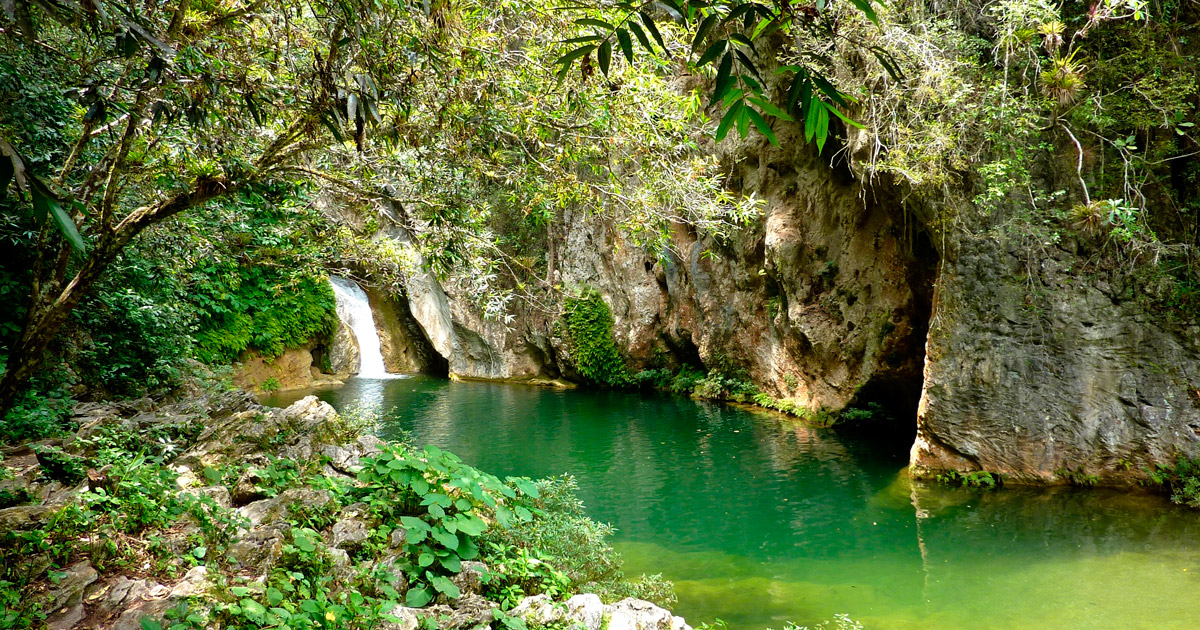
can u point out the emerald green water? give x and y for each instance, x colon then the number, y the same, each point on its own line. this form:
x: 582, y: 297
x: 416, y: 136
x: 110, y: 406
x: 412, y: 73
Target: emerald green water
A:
x: 761, y: 521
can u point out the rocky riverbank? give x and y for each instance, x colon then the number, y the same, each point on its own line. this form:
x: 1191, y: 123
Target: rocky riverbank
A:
x: 220, y: 513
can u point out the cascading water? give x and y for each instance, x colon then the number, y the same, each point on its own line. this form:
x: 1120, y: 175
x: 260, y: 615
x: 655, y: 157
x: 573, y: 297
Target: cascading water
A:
x: 355, y: 311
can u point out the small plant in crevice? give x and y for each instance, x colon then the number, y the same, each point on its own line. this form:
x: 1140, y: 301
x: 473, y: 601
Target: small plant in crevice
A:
x: 969, y: 479
x: 1181, y: 480
x: 1077, y: 478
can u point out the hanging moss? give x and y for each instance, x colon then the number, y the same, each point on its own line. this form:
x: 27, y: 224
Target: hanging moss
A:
x: 587, y: 324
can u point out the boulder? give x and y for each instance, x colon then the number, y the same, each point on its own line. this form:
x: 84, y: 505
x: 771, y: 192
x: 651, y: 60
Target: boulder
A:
x: 259, y: 549
x: 639, y: 614
x: 539, y: 610
x: 350, y: 534
x: 157, y: 599
x: 276, y: 508
x: 586, y: 609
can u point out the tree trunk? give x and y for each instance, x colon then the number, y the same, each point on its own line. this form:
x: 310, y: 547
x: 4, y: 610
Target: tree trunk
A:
x: 45, y: 321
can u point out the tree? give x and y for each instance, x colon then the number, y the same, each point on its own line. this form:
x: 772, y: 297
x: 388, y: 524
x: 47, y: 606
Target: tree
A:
x: 178, y: 103
x: 731, y: 35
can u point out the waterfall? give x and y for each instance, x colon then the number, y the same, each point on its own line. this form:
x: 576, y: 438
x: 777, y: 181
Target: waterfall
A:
x: 355, y: 312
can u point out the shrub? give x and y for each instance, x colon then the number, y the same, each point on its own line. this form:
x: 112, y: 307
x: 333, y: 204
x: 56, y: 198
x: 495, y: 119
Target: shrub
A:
x: 1181, y: 481
x: 973, y: 479
x: 561, y: 534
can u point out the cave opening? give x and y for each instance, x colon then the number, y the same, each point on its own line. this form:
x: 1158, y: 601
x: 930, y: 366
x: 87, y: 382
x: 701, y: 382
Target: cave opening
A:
x: 883, y: 412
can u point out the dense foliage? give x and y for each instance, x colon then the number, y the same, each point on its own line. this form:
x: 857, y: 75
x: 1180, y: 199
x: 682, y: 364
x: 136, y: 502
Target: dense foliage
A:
x: 587, y: 325
x: 533, y: 535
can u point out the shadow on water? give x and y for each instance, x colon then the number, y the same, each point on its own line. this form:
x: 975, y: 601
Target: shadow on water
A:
x: 760, y: 520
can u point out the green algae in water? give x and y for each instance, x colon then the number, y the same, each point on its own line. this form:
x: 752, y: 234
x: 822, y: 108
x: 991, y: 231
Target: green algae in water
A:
x: 761, y: 522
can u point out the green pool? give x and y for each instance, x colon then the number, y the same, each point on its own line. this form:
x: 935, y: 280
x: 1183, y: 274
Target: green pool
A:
x: 760, y: 521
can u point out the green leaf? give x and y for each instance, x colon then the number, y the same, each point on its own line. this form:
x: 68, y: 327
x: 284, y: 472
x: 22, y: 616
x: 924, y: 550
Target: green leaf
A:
x: 712, y: 53
x: 444, y: 585
x: 527, y: 486
x: 724, y: 81
x: 649, y: 22
x: 594, y: 22
x: 846, y: 119
x: 810, y: 121
x: 448, y: 540
x: 742, y: 39
x: 626, y: 43
x: 728, y: 120
x: 867, y: 9
x: 472, y: 525
x: 253, y: 608
x: 769, y: 108
x: 827, y: 88
x: 743, y: 121
x: 452, y: 564
x: 640, y: 35
x: 566, y: 59
x: 739, y: 12
x: 702, y: 31
x: 672, y: 8
x: 44, y: 203
x: 417, y: 597
x: 274, y: 596
x: 763, y: 127
x: 200, y: 551
x: 605, y: 57
x: 150, y: 623
x: 425, y: 559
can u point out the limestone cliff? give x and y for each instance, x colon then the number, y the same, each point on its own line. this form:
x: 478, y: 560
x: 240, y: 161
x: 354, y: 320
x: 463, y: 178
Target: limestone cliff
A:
x: 1032, y: 368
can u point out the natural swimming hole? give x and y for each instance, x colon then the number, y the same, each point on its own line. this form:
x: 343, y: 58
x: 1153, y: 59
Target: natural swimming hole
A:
x: 761, y: 521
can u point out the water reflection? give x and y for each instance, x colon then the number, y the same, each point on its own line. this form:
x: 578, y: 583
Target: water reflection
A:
x: 761, y: 521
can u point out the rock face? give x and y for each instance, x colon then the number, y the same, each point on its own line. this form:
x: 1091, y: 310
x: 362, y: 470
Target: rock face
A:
x: 1040, y: 365
x: 401, y: 339
x: 343, y: 354
x: 1035, y: 375
x: 293, y: 369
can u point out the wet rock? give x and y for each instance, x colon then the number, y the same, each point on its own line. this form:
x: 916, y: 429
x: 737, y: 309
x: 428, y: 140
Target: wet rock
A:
x: 343, y: 353
x: 638, y: 614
